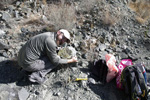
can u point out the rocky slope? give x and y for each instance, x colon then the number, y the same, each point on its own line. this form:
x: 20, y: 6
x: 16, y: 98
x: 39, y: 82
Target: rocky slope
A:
x: 107, y: 27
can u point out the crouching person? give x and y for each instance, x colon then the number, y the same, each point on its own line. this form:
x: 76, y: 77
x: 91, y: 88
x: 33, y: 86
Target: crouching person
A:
x: 39, y: 55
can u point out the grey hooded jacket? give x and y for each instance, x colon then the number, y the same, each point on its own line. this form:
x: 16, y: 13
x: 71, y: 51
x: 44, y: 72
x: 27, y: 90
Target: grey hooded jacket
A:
x: 38, y: 46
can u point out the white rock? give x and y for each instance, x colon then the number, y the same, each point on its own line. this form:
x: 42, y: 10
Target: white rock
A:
x: 23, y: 94
x: 2, y: 33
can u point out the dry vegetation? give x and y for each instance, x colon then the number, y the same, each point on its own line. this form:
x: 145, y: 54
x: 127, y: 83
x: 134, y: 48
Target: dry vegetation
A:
x: 142, y: 9
x: 52, y: 17
x: 6, y: 1
x: 111, y: 15
x: 61, y: 16
x: 110, y: 19
x: 64, y: 15
x: 87, y: 5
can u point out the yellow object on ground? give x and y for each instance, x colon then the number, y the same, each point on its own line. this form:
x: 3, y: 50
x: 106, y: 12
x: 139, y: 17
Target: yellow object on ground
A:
x: 80, y: 79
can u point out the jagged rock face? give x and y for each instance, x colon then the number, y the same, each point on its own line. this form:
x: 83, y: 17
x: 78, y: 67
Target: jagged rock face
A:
x: 99, y: 28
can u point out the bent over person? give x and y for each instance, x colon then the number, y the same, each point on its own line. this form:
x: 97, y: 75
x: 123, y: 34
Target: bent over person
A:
x: 39, y: 55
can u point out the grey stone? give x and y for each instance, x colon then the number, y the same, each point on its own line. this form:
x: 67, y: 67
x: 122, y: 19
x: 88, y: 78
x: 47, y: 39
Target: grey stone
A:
x: 102, y: 47
x: 147, y: 58
x: 73, y: 51
x: 79, y: 27
x: 4, y: 95
x: 148, y: 34
x: 74, y: 69
x: 74, y: 31
x: 133, y: 57
x: 2, y: 33
x: 17, y: 14
x: 118, y: 49
x: 18, y: 3
x: 2, y: 58
x: 44, y: 18
x: 125, y: 1
x: 91, y: 80
x: 5, y: 55
x: 69, y: 98
x: 84, y: 84
x: 109, y: 50
x: 102, y: 54
x: 24, y: 30
x: 37, y: 92
x: 71, y: 87
x: 109, y: 38
x: 128, y: 51
x: 23, y: 94
x: 6, y: 16
x: 11, y: 9
x: 84, y: 63
x: 3, y: 46
x: 79, y: 36
x: 123, y: 55
x: 56, y: 93
x: 85, y: 56
x: 76, y: 44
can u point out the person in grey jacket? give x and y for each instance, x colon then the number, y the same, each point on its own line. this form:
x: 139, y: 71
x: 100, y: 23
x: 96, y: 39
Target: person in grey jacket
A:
x: 39, y: 54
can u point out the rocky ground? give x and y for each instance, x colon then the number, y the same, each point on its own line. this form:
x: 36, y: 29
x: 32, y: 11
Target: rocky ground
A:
x: 106, y: 27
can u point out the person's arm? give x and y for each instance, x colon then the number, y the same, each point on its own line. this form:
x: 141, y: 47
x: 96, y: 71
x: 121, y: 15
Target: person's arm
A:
x: 52, y: 54
x: 74, y: 59
x: 50, y: 48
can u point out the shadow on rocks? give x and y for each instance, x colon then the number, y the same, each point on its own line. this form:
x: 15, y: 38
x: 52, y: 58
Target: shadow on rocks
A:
x: 108, y: 91
x: 10, y: 72
x: 87, y: 69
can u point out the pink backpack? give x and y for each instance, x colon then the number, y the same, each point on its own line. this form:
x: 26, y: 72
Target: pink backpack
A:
x: 124, y: 63
x: 112, y: 68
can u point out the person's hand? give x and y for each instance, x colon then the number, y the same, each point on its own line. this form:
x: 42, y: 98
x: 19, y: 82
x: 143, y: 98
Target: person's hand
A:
x: 74, y: 59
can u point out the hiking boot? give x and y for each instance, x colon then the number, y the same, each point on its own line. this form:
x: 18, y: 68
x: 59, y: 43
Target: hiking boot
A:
x: 36, y: 79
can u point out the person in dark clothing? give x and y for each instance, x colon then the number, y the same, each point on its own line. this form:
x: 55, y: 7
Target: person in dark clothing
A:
x: 39, y: 55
